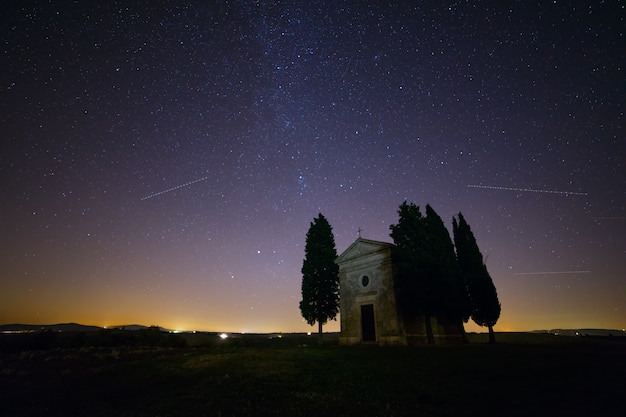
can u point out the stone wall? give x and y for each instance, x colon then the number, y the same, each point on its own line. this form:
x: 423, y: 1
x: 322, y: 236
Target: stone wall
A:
x: 366, y: 277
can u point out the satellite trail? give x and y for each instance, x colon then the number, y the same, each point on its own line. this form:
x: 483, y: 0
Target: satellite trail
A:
x: 526, y: 190
x: 552, y: 273
x: 174, y: 188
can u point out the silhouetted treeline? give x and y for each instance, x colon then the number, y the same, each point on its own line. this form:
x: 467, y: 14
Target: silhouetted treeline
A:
x: 46, y: 340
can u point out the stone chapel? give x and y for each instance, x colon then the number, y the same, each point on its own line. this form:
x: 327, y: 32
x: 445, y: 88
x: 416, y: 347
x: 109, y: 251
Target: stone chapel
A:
x: 369, y: 311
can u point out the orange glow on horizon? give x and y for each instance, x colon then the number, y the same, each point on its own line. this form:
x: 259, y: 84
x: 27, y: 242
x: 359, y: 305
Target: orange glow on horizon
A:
x: 119, y: 305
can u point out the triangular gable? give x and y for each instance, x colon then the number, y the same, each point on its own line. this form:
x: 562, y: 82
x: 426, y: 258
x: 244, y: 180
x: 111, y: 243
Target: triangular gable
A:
x: 361, y: 247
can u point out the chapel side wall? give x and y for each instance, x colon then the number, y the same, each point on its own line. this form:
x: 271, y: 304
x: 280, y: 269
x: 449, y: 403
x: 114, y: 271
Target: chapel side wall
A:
x: 443, y: 332
x: 389, y: 320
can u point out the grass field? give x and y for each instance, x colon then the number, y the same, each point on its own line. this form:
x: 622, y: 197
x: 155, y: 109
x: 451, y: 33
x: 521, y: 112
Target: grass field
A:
x: 523, y: 375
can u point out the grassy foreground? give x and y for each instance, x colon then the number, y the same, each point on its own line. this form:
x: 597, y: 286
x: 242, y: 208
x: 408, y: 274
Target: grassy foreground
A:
x: 524, y: 375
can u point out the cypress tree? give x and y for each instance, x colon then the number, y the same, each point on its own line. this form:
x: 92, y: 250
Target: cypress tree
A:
x: 320, y: 275
x: 485, y: 307
x: 455, y: 302
x: 419, y: 293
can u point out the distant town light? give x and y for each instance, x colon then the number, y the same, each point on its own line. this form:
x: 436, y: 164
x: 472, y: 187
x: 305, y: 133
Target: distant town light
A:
x: 223, y: 336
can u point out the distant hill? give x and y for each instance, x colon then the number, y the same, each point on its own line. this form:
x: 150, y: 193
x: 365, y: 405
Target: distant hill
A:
x: 61, y: 327
x: 66, y: 327
x: 136, y: 327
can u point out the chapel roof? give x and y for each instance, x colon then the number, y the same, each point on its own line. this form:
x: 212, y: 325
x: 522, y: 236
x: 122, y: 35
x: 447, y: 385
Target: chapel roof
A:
x: 362, y: 247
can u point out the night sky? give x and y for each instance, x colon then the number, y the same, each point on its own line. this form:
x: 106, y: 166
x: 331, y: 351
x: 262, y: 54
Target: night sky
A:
x: 161, y: 162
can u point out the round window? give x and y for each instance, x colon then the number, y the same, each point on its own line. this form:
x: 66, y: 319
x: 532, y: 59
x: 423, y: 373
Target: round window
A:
x: 365, y: 280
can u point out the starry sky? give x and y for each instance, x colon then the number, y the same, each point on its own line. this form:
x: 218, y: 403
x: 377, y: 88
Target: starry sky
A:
x: 162, y: 161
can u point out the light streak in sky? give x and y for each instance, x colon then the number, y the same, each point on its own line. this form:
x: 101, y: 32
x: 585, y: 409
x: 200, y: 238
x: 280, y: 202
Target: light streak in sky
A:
x: 552, y: 273
x: 174, y: 188
x: 526, y: 190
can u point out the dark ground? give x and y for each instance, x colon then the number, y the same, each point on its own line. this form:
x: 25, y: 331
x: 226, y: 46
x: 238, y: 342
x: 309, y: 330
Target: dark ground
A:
x: 524, y: 375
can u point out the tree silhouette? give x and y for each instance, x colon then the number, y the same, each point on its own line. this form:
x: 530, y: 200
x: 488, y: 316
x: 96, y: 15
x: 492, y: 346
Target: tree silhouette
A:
x: 456, y: 304
x: 428, y: 282
x: 484, y: 298
x: 419, y: 293
x: 320, y: 275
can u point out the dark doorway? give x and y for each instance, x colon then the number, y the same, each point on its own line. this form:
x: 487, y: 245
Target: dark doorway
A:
x: 368, y: 328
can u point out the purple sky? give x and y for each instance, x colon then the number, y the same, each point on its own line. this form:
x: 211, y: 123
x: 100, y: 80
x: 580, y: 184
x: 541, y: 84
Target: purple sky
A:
x: 162, y: 162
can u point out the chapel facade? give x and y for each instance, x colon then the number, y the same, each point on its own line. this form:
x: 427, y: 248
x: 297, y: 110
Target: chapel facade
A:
x: 370, y: 313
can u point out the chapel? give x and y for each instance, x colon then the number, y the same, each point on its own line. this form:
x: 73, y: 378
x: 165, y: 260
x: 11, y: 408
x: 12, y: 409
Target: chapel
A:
x: 367, y: 297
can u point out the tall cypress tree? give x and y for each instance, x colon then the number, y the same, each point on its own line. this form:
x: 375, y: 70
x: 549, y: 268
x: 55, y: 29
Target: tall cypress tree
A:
x: 320, y: 275
x: 419, y: 293
x: 455, y: 303
x: 482, y: 291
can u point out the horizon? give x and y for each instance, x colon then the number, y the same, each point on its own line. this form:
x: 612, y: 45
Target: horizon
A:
x: 478, y: 329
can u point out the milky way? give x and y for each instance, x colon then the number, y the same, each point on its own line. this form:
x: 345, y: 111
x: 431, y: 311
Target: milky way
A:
x: 280, y: 111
